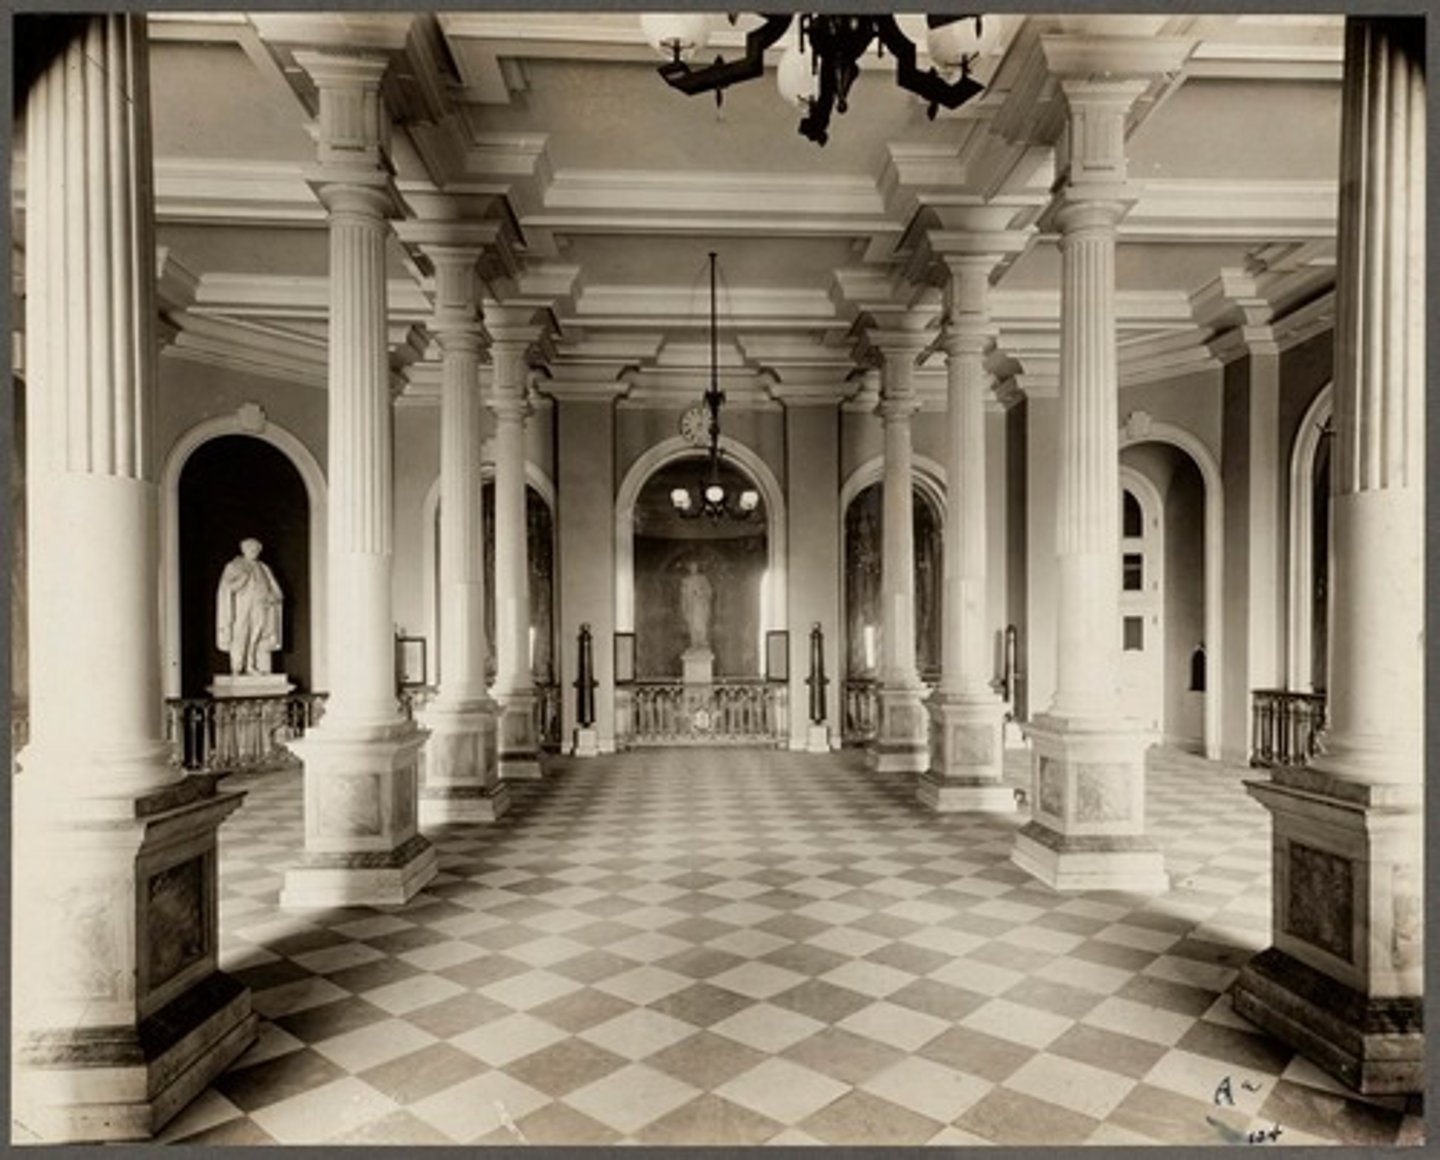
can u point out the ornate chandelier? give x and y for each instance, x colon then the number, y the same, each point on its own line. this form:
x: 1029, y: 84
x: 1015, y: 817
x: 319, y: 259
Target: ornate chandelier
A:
x: 702, y: 423
x: 816, y: 72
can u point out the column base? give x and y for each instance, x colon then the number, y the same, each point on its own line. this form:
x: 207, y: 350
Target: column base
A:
x: 460, y: 782
x: 586, y: 743
x: 360, y: 877
x: 1068, y: 862
x: 966, y: 756
x: 956, y: 795
x: 1088, y: 808
x: 519, y: 747
x: 902, y: 738
x: 445, y: 805
x: 817, y: 739
x: 1376, y: 1046
x: 1344, y: 977
x: 94, y: 1085
x: 362, y: 846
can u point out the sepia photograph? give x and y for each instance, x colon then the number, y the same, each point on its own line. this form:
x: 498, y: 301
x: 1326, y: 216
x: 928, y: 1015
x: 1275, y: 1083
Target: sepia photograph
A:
x: 586, y: 576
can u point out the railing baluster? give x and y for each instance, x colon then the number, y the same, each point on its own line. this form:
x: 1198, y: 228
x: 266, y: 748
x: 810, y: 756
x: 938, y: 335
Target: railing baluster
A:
x: 1285, y: 727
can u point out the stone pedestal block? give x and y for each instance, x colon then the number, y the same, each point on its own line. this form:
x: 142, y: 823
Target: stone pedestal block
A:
x: 817, y: 739
x: 519, y: 747
x: 460, y: 780
x: 1343, y: 980
x: 1087, y: 830
x: 250, y: 685
x: 362, y: 844
x: 697, y: 666
x: 125, y: 1017
x: 902, y: 735
x: 966, y: 757
x: 586, y: 742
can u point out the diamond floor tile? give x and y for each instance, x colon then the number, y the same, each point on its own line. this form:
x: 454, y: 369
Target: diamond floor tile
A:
x: 747, y: 947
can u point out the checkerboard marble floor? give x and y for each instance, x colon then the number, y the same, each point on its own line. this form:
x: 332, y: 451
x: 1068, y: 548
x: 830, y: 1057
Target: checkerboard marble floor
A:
x: 745, y: 947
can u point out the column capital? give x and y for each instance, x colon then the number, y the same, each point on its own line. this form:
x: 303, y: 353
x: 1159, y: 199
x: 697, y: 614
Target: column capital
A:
x: 1113, y: 60
x: 354, y: 131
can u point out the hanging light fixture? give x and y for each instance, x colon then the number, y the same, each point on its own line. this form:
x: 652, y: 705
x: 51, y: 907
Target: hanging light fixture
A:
x: 829, y: 47
x: 710, y: 497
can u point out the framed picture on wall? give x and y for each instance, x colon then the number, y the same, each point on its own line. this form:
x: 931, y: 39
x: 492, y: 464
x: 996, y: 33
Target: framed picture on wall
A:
x: 624, y: 657
x: 410, y: 667
x: 777, y: 655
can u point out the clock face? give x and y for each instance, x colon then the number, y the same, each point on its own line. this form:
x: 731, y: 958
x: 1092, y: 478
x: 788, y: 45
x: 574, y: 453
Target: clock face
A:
x: 695, y: 426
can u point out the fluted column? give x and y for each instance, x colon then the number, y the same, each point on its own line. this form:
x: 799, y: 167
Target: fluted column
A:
x: 120, y: 1014
x: 1343, y: 980
x: 966, y: 716
x: 901, y: 740
x: 362, y: 843
x: 1087, y: 829
x: 461, y: 781
x: 519, y: 745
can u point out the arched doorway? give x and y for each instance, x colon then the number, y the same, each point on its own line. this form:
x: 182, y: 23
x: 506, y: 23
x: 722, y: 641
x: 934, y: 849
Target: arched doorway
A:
x: 1205, y: 565
x: 659, y: 698
x: 1166, y: 648
x: 540, y: 565
x: 1309, y: 600
x: 1143, y: 599
x: 230, y: 488
x: 863, y: 517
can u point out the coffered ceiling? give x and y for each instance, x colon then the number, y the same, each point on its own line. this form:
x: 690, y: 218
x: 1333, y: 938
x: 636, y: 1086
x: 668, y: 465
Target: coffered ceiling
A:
x: 613, y: 187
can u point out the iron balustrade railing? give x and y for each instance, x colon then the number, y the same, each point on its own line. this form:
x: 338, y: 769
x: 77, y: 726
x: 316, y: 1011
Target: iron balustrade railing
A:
x: 1285, y: 727
x: 860, y: 708
x: 860, y: 712
x: 547, y: 717
x: 730, y: 711
x: 233, y: 734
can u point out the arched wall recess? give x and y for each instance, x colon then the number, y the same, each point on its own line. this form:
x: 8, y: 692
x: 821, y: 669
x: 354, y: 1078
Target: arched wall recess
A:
x: 774, y: 601
x: 249, y: 419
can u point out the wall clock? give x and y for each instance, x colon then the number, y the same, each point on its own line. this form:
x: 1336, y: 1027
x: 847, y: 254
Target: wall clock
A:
x: 695, y: 426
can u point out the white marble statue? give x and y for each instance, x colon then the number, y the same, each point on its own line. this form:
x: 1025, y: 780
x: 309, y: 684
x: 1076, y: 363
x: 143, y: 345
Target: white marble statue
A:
x: 248, y: 606
x: 696, y: 598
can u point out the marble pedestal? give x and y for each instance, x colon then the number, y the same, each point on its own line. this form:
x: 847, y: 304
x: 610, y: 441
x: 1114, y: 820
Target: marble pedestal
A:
x: 1343, y: 979
x: 697, y: 666
x: 121, y: 1015
x: 362, y: 844
x: 586, y: 742
x: 902, y: 735
x: 817, y: 738
x: 250, y: 685
x: 966, y: 757
x: 1087, y: 830
x: 460, y: 781
x: 518, y: 745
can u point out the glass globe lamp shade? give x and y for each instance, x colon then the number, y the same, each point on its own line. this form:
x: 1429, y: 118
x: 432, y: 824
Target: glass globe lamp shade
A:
x: 714, y: 493
x: 795, y: 78
x: 749, y: 500
x: 680, y: 498
x: 676, y: 34
x: 953, y: 43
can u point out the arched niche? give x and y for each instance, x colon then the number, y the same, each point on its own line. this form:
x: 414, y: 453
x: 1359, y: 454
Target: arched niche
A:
x: 861, y: 504
x: 774, y: 613
x: 250, y: 421
x: 1309, y: 544
x: 541, y: 548
x: 1139, y: 428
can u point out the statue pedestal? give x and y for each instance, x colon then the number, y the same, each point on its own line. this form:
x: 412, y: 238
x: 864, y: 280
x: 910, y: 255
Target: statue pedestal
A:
x: 587, y: 742
x: 698, y: 666
x: 250, y: 685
